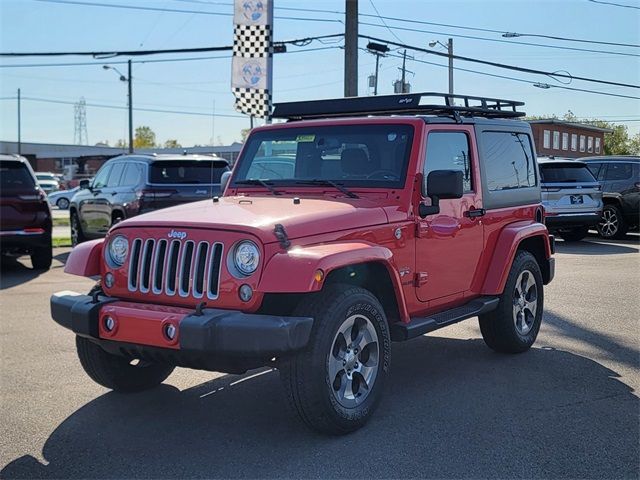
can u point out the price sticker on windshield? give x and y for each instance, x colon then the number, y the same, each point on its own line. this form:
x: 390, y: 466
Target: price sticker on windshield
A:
x: 305, y: 138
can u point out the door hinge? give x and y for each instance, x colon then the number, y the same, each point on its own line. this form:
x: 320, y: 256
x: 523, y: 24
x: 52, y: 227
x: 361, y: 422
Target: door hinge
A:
x: 422, y: 229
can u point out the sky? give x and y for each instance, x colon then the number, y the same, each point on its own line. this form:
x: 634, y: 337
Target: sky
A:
x: 198, y: 85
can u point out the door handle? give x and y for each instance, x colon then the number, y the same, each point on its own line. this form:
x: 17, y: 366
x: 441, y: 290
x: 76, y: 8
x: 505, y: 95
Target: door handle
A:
x: 475, y: 212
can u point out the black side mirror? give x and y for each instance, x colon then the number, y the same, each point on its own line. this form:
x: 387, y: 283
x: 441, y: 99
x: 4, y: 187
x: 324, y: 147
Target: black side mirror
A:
x: 84, y: 184
x: 441, y: 184
x: 224, y: 181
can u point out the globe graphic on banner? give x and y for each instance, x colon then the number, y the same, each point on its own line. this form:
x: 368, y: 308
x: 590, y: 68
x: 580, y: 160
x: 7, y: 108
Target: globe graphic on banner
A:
x: 253, y: 10
x: 252, y: 73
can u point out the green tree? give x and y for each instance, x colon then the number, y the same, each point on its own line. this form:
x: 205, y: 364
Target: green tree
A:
x: 172, y: 143
x: 144, y: 138
x: 244, y: 133
x: 121, y: 143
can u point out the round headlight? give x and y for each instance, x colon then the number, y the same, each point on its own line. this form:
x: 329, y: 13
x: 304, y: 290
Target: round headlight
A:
x: 118, y: 249
x: 246, y: 257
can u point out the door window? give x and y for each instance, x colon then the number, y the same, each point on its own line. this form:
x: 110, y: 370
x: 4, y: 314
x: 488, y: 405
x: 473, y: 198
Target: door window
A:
x: 101, y: 178
x: 132, y: 175
x: 449, y: 151
x: 619, y: 171
x: 116, y: 173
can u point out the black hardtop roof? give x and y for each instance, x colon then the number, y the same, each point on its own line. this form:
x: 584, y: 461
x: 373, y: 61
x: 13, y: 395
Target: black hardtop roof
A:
x: 456, y: 107
x: 150, y: 157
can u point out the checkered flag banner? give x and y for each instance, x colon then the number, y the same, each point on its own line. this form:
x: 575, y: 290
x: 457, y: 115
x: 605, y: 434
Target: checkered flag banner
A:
x: 252, y: 57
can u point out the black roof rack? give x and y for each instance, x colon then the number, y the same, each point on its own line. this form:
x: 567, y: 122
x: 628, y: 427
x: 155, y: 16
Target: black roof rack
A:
x: 405, y: 104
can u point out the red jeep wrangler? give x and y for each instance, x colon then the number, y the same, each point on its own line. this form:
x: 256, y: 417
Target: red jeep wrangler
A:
x: 358, y: 222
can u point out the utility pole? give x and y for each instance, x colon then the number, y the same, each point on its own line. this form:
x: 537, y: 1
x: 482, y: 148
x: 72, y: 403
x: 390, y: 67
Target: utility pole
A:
x: 19, y: 126
x: 351, y: 48
x: 404, y: 62
x: 379, y: 50
x: 130, y: 108
x: 375, y: 87
x: 450, y: 52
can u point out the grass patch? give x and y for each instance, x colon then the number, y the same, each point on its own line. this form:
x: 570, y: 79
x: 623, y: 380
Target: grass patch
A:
x: 61, y: 242
x: 61, y: 222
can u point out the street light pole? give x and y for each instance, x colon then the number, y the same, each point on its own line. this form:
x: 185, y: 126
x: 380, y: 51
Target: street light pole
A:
x: 19, y: 126
x: 131, y: 107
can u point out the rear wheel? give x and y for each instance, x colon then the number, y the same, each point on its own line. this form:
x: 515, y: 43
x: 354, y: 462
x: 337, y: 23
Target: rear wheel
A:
x: 513, y: 326
x: 118, y: 373
x: 336, y: 383
x: 42, y: 257
x: 77, y: 235
x: 612, y: 225
x: 62, y: 203
x: 574, y: 234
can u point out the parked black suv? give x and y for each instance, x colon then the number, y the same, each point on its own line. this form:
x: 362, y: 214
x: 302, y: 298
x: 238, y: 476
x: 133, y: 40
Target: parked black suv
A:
x: 25, y: 215
x: 620, y: 179
x: 129, y: 185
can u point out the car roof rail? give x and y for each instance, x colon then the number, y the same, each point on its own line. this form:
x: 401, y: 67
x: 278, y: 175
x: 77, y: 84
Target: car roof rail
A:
x: 426, y: 103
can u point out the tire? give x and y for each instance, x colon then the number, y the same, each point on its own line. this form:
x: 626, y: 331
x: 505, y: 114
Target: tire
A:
x: 574, y: 234
x: 117, y: 373
x: 317, y: 380
x: 613, y: 225
x: 42, y: 257
x: 77, y: 235
x: 62, y: 203
x: 513, y: 327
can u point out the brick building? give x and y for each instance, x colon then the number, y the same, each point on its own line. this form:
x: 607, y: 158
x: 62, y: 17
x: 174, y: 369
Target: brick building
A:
x: 566, y: 139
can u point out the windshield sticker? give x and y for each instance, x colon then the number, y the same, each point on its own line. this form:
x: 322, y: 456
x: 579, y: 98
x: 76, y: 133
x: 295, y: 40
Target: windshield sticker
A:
x: 305, y: 138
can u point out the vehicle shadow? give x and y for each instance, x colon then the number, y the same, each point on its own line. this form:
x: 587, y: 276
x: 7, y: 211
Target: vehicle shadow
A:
x: 593, y: 246
x: 453, y: 409
x: 14, y: 271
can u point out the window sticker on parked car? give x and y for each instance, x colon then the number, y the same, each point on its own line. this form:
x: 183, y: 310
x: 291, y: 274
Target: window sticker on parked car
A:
x: 305, y: 138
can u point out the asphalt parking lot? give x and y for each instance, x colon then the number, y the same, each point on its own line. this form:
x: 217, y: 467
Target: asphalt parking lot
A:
x: 568, y: 408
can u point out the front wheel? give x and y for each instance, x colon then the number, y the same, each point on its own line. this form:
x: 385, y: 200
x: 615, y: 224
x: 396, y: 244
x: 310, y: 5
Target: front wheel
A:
x: 336, y: 383
x: 77, y: 235
x: 513, y: 326
x: 119, y: 373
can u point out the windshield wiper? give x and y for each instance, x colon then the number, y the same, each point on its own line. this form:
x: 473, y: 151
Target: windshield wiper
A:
x: 335, y: 185
x: 255, y: 181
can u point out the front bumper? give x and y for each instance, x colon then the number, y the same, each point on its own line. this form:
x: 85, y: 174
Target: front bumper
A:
x: 568, y: 220
x: 202, y: 339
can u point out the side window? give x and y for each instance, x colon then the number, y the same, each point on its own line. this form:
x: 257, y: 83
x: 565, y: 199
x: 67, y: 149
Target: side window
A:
x: 594, y: 168
x: 509, y: 160
x: 132, y: 174
x: 100, y: 181
x: 449, y: 151
x: 116, y: 173
x: 619, y: 171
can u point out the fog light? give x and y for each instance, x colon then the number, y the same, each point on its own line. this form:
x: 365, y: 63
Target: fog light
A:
x: 246, y: 292
x: 170, y: 331
x: 109, y: 324
x: 109, y: 280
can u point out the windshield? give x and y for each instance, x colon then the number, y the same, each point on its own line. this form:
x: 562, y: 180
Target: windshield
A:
x: 186, y: 171
x: 565, y: 173
x: 351, y: 155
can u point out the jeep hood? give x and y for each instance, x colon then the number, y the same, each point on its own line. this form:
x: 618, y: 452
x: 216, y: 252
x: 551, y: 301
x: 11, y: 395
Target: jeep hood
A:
x: 259, y: 215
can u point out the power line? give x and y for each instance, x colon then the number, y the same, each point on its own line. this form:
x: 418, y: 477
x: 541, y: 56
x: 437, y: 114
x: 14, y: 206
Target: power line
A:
x: 383, y: 22
x: 500, y: 65
x: 135, y: 53
x: 614, y: 4
x: 174, y: 10
x: 496, y: 40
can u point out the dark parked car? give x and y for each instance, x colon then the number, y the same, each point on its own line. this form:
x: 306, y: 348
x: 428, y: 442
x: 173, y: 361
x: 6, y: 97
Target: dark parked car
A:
x: 25, y: 215
x: 620, y: 179
x: 129, y: 185
x: 571, y: 196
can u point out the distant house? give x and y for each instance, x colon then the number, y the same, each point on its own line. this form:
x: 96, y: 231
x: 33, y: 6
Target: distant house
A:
x: 51, y: 157
x: 558, y: 138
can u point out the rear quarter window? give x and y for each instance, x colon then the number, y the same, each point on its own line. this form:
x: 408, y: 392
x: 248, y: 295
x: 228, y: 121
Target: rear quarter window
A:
x: 179, y: 172
x: 565, y: 174
x: 15, y: 176
x: 509, y: 161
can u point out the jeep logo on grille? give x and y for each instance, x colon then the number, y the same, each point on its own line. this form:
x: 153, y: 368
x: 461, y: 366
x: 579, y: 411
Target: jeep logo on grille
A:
x: 176, y: 234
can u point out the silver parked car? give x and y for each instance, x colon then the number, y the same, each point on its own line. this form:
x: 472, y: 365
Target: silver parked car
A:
x: 62, y: 198
x: 571, y: 196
